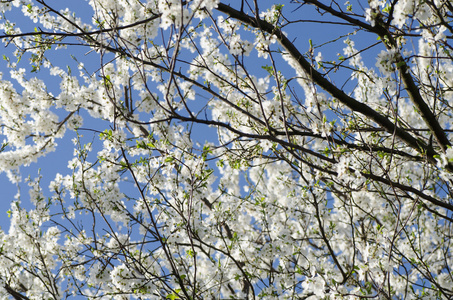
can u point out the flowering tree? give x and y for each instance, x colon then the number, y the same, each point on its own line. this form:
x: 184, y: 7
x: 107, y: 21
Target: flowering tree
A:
x: 229, y: 150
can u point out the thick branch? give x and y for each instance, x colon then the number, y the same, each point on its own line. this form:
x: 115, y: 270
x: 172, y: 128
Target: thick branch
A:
x: 16, y: 295
x: 413, y: 91
x: 324, y: 83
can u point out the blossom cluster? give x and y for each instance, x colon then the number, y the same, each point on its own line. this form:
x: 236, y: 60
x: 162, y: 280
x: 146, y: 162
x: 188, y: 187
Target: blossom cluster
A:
x: 216, y: 155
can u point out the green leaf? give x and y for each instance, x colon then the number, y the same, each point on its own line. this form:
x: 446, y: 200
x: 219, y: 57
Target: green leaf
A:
x: 174, y: 295
x: 400, y: 64
x: 4, y: 145
x: 269, y: 69
x: 169, y: 159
